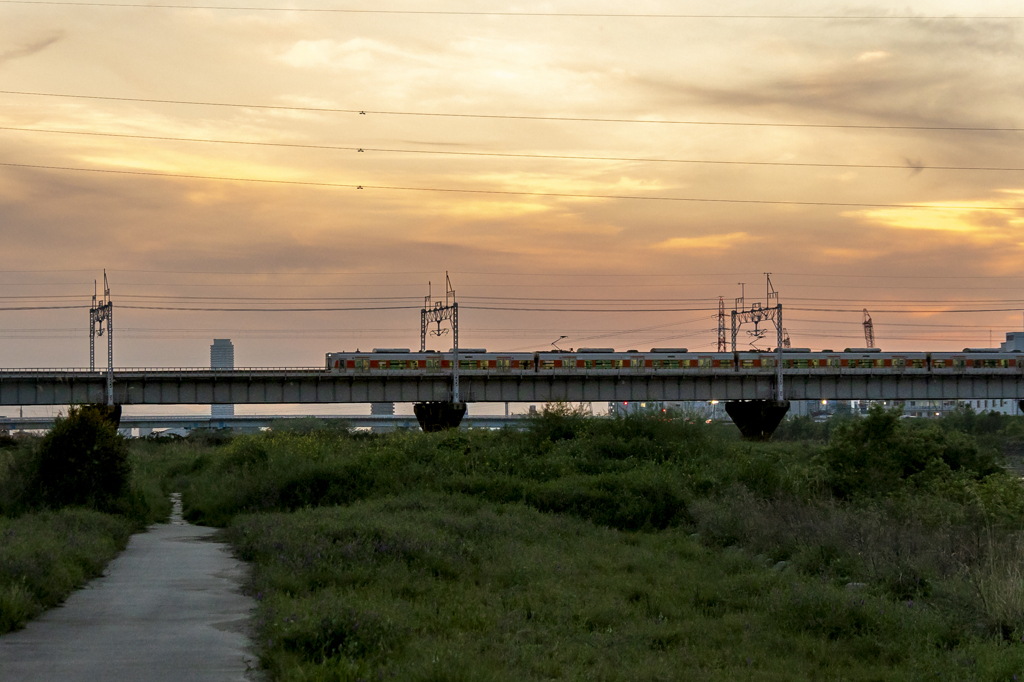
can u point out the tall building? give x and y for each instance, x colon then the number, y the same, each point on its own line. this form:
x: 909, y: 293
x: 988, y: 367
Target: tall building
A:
x: 222, y: 356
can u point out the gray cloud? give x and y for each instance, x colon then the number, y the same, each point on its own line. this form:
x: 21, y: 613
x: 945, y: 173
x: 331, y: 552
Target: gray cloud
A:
x: 31, y: 48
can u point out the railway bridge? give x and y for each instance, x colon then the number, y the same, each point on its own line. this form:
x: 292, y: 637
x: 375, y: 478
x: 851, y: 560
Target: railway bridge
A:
x: 192, y: 386
x: 750, y: 398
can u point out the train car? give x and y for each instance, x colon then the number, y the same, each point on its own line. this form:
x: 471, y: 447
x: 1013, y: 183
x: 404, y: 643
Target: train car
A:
x: 587, y: 360
x: 384, y: 361
x: 674, y: 361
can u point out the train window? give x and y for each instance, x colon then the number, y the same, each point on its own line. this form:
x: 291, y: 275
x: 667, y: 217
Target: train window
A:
x: 959, y: 363
x: 504, y: 363
x: 726, y: 364
x: 704, y: 362
x: 547, y: 364
x: 916, y: 363
x: 899, y: 362
x: 938, y: 364
x: 362, y: 364
x: 833, y: 362
x: 433, y: 363
x: 747, y: 364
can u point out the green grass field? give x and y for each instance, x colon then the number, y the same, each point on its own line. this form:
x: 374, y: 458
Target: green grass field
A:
x: 642, y: 548
x: 648, y: 547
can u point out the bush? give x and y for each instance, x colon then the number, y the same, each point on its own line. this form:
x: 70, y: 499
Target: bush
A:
x: 874, y: 455
x: 307, y: 425
x: 83, y: 461
x: 18, y: 470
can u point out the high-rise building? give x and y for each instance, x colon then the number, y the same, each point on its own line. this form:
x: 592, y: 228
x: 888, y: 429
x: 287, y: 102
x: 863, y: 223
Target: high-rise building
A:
x: 222, y: 356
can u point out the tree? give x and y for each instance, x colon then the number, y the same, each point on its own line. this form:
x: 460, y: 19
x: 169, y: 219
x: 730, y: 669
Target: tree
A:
x: 83, y: 461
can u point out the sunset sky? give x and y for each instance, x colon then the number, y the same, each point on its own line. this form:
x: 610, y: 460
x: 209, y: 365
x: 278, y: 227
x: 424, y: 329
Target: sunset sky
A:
x: 829, y: 151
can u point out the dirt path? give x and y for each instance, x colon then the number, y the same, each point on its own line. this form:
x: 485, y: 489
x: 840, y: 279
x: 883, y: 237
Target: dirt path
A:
x: 168, y: 608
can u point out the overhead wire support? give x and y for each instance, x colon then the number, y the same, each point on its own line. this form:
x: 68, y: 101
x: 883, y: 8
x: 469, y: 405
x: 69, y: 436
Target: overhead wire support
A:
x: 434, y: 312
x: 721, y: 325
x: 757, y: 314
x: 102, y: 312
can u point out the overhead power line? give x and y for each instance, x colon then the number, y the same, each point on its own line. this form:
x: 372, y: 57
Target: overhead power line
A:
x: 570, y: 15
x: 574, y: 119
x: 495, y: 192
x: 47, y: 307
x: 263, y: 310
x: 508, y: 155
x: 301, y: 273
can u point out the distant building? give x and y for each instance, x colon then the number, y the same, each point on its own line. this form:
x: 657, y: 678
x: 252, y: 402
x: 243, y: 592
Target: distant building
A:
x: 1014, y: 341
x: 222, y: 356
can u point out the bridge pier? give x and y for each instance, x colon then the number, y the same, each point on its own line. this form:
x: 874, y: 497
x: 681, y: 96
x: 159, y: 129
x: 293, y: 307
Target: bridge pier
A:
x: 439, y: 415
x: 757, y: 419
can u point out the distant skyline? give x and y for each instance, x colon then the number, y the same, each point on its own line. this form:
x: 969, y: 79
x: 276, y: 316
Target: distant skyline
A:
x: 834, y: 153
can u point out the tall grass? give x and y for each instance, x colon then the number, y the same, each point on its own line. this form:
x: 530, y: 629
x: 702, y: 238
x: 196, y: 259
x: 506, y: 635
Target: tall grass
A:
x: 623, y: 548
x: 44, y: 556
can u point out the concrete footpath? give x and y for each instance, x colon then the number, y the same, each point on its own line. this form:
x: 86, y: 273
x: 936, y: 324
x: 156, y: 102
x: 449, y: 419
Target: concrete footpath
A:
x: 168, y: 608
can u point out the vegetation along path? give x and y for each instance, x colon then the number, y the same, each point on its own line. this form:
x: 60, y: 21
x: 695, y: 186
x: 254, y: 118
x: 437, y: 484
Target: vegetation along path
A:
x: 168, y: 608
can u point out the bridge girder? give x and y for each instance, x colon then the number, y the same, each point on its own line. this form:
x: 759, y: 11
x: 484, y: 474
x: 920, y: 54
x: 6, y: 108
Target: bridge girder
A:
x: 192, y: 387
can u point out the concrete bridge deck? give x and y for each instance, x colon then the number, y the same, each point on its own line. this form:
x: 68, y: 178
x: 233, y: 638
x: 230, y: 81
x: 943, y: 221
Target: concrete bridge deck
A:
x: 185, y: 386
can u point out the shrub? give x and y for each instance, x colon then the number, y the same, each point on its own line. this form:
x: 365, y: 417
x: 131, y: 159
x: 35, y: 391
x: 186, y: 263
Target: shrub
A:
x: 83, y: 461
x: 623, y: 501
x: 18, y: 469
x: 558, y: 421
x: 307, y: 425
x: 874, y: 455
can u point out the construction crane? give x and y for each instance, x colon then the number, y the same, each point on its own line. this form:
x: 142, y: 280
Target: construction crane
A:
x: 869, y: 330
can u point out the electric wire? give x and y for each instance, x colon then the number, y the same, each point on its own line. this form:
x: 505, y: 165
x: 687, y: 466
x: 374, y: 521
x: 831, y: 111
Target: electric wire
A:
x: 559, y: 157
x: 583, y: 15
x: 495, y: 192
x: 522, y: 117
x: 392, y: 273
